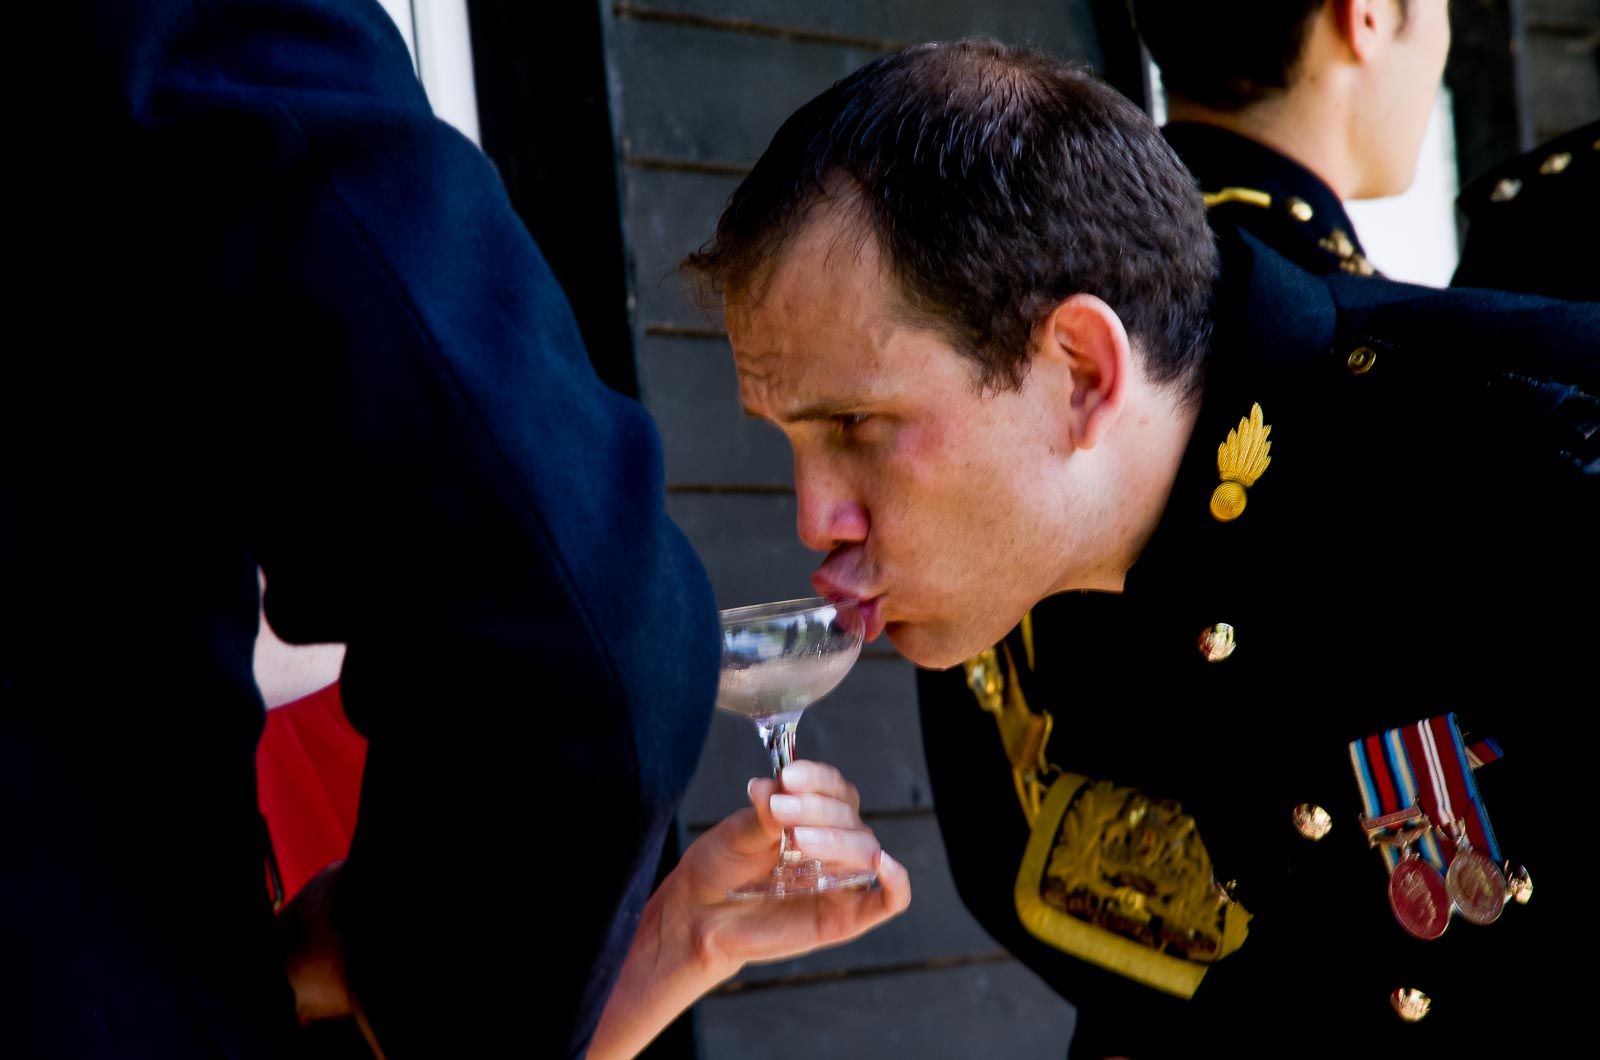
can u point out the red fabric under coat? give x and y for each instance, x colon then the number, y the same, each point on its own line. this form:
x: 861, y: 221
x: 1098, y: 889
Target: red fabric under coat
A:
x: 308, y: 781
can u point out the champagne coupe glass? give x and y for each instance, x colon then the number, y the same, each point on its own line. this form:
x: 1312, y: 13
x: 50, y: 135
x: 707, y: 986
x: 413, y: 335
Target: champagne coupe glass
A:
x: 777, y: 660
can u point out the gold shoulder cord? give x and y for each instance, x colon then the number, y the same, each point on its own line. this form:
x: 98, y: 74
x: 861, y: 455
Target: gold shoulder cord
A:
x: 1024, y: 734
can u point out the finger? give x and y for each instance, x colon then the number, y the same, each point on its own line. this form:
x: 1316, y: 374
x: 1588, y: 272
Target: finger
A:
x: 894, y: 884
x: 815, y: 811
x: 819, y: 778
x: 760, y: 791
x: 849, y: 846
x: 854, y: 913
x: 888, y: 899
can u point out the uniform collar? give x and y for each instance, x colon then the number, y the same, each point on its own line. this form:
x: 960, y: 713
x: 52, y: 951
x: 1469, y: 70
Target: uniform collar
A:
x: 1284, y: 203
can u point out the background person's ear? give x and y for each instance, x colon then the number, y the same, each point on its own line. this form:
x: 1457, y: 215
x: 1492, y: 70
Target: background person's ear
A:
x: 1366, y: 24
x: 1089, y: 337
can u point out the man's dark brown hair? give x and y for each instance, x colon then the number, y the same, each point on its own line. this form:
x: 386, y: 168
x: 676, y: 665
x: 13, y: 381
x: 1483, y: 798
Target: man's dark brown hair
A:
x: 1227, y: 57
x: 997, y: 181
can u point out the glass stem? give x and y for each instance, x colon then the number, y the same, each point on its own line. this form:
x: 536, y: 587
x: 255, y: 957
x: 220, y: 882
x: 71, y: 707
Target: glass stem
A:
x: 777, y: 736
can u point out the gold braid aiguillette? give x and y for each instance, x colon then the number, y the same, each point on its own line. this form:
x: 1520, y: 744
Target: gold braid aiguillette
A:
x: 1241, y: 460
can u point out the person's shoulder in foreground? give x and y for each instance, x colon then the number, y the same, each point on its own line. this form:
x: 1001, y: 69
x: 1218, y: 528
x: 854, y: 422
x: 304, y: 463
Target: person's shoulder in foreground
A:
x: 284, y: 317
x: 1533, y: 221
x: 1318, y: 509
x: 1286, y: 109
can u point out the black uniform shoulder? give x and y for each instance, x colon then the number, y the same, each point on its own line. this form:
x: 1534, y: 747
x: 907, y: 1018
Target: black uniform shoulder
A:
x: 1533, y: 220
x: 1459, y: 353
x: 1265, y: 192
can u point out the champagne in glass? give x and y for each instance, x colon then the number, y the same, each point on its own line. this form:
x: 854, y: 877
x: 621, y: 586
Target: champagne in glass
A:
x: 777, y: 660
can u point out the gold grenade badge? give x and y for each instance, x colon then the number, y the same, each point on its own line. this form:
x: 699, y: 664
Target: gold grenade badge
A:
x: 1241, y: 460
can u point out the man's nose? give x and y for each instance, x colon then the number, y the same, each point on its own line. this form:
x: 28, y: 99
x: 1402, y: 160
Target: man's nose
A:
x: 829, y: 513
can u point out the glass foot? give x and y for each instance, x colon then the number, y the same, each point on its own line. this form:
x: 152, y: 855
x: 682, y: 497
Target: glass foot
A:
x: 795, y: 879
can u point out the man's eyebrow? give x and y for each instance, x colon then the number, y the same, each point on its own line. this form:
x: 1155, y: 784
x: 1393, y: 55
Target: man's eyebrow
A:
x: 817, y: 410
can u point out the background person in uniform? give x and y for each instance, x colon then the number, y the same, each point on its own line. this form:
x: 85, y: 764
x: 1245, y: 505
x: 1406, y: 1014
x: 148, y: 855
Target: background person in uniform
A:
x: 1284, y: 109
x: 1333, y: 507
x: 1524, y: 216
x: 265, y: 281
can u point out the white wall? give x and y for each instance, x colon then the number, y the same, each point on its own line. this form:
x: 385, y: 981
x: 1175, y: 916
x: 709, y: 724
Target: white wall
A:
x: 441, y: 49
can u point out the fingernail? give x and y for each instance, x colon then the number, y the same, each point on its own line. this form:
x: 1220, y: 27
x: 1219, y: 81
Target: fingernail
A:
x: 749, y: 787
x: 808, y: 837
x: 886, y: 862
x: 795, y: 773
x: 785, y: 805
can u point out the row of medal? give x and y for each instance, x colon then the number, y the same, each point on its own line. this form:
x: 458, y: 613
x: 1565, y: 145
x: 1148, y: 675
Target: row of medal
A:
x: 1424, y: 812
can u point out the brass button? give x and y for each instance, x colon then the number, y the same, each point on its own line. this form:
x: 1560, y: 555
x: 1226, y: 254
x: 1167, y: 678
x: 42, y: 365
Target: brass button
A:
x: 1519, y: 884
x: 1506, y: 190
x: 1299, y: 209
x: 1357, y: 265
x: 983, y: 677
x: 1411, y: 1004
x: 1217, y: 642
x: 1312, y: 821
x: 1556, y: 163
x: 1361, y: 360
x: 1337, y: 242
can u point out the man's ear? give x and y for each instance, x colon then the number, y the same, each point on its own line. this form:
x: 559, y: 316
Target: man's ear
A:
x: 1365, y: 25
x: 1089, y: 338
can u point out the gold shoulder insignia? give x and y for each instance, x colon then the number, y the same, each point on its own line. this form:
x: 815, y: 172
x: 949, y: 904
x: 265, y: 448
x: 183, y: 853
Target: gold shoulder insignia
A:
x: 1241, y: 460
x: 1245, y: 195
x: 1122, y: 880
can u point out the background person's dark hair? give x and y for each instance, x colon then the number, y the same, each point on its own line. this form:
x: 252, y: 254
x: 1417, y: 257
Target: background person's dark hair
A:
x: 1227, y: 58
x: 997, y: 181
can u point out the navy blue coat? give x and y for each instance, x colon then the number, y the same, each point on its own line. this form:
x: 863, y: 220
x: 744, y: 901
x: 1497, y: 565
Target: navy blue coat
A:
x: 271, y: 312
x: 1423, y: 541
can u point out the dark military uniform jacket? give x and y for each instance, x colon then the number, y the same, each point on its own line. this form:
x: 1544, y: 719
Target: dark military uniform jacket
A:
x: 1271, y: 196
x: 1421, y: 542
x: 272, y: 313
x: 1533, y: 223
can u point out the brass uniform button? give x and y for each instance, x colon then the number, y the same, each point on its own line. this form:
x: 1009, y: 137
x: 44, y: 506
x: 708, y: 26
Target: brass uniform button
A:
x: 1337, y: 242
x: 1506, y: 190
x: 1217, y: 642
x: 1312, y: 821
x: 1361, y: 360
x: 1519, y: 884
x: 1299, y: 209
x: 983, y: 677
x: 1556, y: 163
x: 1412, y: 1005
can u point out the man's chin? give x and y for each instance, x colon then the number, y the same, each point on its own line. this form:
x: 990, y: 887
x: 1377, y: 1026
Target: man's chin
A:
x: 929, y: 649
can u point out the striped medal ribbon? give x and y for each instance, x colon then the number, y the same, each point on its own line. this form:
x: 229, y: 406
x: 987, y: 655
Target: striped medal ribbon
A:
x: 1476, y: 886
x: 1423, y: 811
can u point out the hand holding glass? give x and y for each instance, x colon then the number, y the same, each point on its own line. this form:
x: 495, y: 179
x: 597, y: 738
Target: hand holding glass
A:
x: 777, y: 660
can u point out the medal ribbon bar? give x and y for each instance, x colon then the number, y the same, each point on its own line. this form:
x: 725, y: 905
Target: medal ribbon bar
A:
x: 1449, y: 792
x: 1390, y: 798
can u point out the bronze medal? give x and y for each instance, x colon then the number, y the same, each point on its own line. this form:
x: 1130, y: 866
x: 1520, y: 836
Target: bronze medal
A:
x: 1476, y: 885
x: 1418, y: 897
